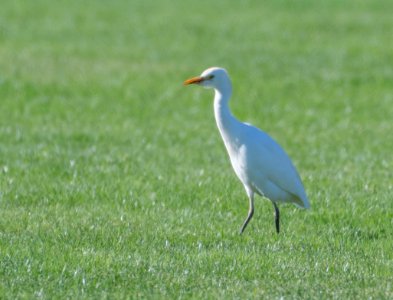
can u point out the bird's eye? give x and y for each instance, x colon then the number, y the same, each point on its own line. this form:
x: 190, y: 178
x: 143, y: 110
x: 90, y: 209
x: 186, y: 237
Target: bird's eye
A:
x: 210, y: 77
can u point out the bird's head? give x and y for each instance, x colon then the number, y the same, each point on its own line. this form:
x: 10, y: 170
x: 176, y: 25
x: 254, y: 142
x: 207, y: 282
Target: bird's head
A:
x: 216, y: 78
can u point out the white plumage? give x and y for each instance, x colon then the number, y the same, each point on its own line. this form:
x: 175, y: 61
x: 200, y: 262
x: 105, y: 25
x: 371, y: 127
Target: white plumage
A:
x: 258, y: 161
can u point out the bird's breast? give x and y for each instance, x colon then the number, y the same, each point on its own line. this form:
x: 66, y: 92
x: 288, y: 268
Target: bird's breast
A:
x: 239, y: 148
x: 238, y: 157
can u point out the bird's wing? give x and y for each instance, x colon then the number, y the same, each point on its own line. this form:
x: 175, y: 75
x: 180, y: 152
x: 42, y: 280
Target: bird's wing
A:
x: 270, y: 158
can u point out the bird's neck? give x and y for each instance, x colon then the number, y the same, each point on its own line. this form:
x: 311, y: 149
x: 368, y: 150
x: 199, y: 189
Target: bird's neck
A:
x: 226, y: 122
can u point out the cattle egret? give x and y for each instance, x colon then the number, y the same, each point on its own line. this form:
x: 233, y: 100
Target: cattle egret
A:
x: 258, y: 161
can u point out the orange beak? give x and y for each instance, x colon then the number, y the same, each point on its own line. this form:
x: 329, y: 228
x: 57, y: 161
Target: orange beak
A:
x: 193, y: 80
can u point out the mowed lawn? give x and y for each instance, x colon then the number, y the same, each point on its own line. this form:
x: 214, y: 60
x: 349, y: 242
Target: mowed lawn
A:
x: 114, y: 182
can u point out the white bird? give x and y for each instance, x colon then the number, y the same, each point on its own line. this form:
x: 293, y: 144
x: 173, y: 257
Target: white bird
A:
x: 258, y: 161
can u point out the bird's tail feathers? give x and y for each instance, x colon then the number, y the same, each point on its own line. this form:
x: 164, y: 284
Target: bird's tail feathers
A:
x: 301, y: 202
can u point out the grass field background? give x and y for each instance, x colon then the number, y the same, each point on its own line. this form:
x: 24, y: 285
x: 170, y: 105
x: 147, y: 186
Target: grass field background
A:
x: 114, y: 182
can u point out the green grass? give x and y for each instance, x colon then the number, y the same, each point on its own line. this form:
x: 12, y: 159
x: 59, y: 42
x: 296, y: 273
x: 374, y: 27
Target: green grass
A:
x: 114, y: 182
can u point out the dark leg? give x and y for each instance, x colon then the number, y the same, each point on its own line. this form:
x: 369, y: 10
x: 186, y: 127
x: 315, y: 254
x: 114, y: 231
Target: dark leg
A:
x: 250, y: 210
x: 250, y: 214
x: 277, y: 218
